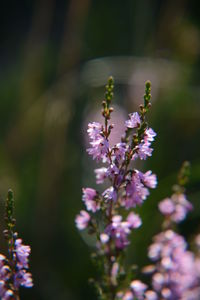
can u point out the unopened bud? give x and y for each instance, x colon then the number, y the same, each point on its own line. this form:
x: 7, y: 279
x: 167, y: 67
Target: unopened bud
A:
x: 110, y: 80
x: 111, y: 109
x: 148, y: 84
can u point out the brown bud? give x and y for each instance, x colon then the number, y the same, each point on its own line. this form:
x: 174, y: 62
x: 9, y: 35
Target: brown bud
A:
x: 111, y: 109
x: 149, y: 105
x: 104, y: 103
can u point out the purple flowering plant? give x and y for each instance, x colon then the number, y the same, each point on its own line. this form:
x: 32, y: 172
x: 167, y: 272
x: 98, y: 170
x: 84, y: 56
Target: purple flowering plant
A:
x: 110, y: 217
x: 110, y: 214
x: 175, y: 272
x: 13, y: 268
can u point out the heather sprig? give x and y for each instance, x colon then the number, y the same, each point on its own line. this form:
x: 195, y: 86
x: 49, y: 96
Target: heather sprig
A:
x: 13, y: 269
x: 175, y: 271
x: 175, y: 208
x: 110, y: 214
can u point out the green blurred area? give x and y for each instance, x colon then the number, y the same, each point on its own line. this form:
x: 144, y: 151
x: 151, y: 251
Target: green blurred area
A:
x: 55, y: 57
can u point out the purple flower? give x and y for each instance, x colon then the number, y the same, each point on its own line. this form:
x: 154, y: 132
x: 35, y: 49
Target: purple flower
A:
x: 2, y: 288
x: 104, y: 238
x: 134, y: 120
x: 151, y: 295
x: 164, y: 243
x: 22, y: 254
x: 166, y: 207
x: 149, y: 135
x: 90, y: 199
x: 158, y: 281
x: 2, y: 261
x: 110, y: 194
x: 118, y: 231
x: 99, y: 143
x: 99, y: 150
x: 94, y: 130
x: 116, y: 219
x: 133, y: 220
x: 138, y: 288
x: 8, y: 295
x: 101, y: 174
x: 10, y: 279
x: 176, y: 274
x: 5, y: 274
x: 128, y: 296
x: 180, y: 199
x: 113, y: 170
x: 82, y: 220
x: 176, y: 207
x: 23, y: 278
x: 89, y: 194
x: 118, y: 152
x: 144, y: 150
x: 149, y: 179
x: 136, y: 193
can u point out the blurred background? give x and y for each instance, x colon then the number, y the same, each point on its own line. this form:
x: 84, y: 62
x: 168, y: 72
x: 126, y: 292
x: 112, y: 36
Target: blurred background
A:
x: 55, y: 57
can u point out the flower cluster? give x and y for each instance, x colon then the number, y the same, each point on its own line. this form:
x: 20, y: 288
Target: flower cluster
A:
x: 4, y: 277
x: 176, y: 274
x: 126, y: 189
x: 22, y: 277
x: 13, y: 270
x: 118, y: 230
x: 175, y: 208
x: 137, y: 290
x: 176, y: 270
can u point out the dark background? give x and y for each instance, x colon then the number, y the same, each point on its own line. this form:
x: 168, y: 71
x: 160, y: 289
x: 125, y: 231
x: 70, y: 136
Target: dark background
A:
x: 55, y: 57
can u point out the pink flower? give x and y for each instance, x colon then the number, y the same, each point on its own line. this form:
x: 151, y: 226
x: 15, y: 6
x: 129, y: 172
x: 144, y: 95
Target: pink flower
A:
x: 82, y: 220
x: 99, y: 149
x: 166, y: 206
x: 176, y: 274
x: 134, y: 220
x: 101, y: 174
x: 138, y: 288
x: 94, y: 130
x: 118, y: 151
x: 104, y: 238
x: 128, y: 296
x: 22, y: 253
x: 151, y: 295
x: 134, y: 120
x: 110, y: 194
x: 149, y: 135
x: 175, y: 207
x: 90, y: 199
x: 144, y: 150
x: 118, y: 231
x: 113, y: 170
x: 23, y: 278
x: 99, y: 143
x: 136, y: 192
x: 149, y: 179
